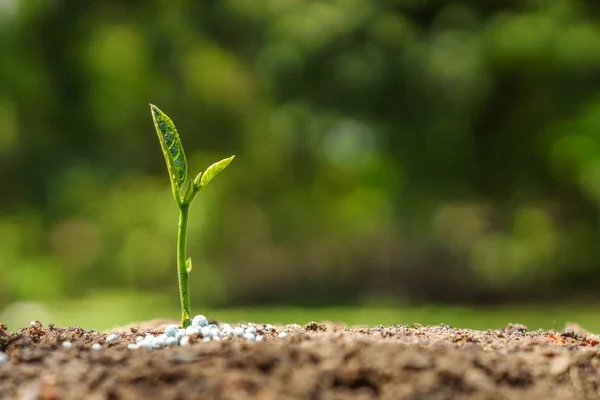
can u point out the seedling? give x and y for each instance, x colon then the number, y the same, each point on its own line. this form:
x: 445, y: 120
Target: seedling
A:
x: 177, y: 167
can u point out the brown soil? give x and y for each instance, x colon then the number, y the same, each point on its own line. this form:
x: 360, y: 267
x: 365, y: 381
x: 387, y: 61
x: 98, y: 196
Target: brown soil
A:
x: 318, y: 361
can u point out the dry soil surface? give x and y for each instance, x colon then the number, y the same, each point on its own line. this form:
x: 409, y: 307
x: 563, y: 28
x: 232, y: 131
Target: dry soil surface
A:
x: 316, y: 361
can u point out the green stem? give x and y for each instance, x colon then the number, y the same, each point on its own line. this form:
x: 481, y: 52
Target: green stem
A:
x: 184, y: 288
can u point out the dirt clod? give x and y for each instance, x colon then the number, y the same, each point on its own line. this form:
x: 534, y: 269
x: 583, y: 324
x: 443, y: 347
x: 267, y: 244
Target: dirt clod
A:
x: 315, y: 327
x: 317, y: 362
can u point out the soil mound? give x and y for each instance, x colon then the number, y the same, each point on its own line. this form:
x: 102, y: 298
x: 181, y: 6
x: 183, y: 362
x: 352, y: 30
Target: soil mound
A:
x: 318, y: 361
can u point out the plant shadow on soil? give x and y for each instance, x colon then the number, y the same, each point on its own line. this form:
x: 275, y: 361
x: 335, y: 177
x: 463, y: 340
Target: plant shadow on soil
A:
x: 314, y: 361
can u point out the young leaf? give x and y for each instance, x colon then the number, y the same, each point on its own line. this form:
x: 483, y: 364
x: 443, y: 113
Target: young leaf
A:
x: 214, y: 170
x: 197, y: 180
x: 188, y: 265
x: 171, y: 147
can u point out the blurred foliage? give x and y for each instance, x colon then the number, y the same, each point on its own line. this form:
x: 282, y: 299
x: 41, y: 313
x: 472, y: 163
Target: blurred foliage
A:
x: 416, y: 150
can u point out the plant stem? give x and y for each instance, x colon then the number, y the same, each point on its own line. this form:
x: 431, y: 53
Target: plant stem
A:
x: 184, y: 288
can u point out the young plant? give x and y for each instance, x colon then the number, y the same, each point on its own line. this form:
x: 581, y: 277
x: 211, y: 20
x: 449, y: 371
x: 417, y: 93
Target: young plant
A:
x: 177, y: 167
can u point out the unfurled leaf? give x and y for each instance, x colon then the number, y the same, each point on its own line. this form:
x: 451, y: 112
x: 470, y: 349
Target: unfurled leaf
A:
x: 214, y: 170
x: 171, y: 147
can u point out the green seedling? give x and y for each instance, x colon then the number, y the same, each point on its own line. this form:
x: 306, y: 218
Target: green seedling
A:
x: 177, y: 167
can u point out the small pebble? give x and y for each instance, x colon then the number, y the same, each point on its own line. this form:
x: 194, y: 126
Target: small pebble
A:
x: 35, y: 324
x: 3, y: 358
x: 171, y: 341
x: 251, y: 330
x: 112, y: 338
x: 200, y: 320
x: 213, y: 326
x: 215, y: 332
x: 96, y: 346
x: 67, y: 344
x: 249, y: 336
x: 171, y: 330
x: 206, y: 339
x: 269, y: 327
x: 259, y: 338
x: 138, y: 339
x: 180, y: 333
x: 282, y: 335
x: 215, y: 338
x: 133, y: 346
x: 184, y: 341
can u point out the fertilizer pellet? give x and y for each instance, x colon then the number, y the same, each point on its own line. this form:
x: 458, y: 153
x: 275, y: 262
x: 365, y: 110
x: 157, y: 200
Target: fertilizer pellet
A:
x: 238, y: 332
x: 112, y: 338
x: 171, y: 330
x: 205, y: 331
x: 191, y: 330
x: 159, y: 342
x: 148, y: 342
x: 200, y: 320
x: 184, y: 341
x: 3, y: 358
x: 36, y: 324
x: 174, y: 335
x: 66, y: 344
x: 227, y: 330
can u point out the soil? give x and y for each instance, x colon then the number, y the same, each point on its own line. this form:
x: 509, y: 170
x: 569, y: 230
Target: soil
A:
x: 316, y: 361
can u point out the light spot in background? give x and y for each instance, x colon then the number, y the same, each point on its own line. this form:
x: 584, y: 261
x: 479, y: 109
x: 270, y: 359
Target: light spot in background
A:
x: 349, y: 144
x: 19, y: 315
x: 460, y: 225
x: 48, y: 277
x: 75, y: 243
x: 524, y: 253
x: 515, y: 39
x: 589, y: 179
x: 579, y: 47
x: 9, y: 10
x: 217, y: 77
x: 116, y: 60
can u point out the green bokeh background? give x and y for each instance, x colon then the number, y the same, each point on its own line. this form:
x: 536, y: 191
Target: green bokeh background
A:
x: 393, y: 157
